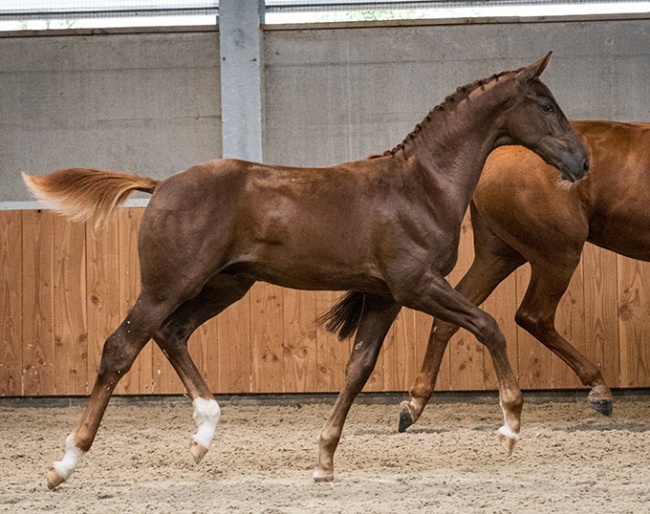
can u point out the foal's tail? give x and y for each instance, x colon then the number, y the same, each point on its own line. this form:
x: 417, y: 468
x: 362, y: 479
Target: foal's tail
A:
x: 344, y: 316
x: 87, y: 194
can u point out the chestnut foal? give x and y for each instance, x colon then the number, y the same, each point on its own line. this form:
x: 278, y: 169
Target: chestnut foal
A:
x: 386, y: 227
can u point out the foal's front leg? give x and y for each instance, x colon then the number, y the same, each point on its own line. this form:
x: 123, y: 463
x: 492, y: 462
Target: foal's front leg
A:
x: 377, y: 317
x: 436, y: 297
x: 486, y: 272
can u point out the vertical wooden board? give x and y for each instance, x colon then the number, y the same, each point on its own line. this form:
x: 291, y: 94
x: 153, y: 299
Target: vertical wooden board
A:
x: 502, y: 305
x: 103, y: 291
x: 601, y: 320
x: 634, y: 321
x: 267, y: 338
x: 11, y: 329
x: 234, y: 349
x: 300, y: 349
x: 38, y: 308
x: 70, y: 329
x: 139, y: 380
x: 570, y: 324
x: 332, y: 354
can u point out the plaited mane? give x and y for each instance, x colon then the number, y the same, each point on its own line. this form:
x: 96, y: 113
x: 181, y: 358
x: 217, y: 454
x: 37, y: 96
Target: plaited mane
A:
x: 460, y: 93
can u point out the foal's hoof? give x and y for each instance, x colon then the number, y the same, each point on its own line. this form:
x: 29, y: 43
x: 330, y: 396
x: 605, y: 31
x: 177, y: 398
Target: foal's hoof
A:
x: 198, y: 451
x: 321, y: 475
x: 508, y: 443
x: 405, y: 417
x: 54, y: 480
x: 508, y: 439
x: 605, y: 407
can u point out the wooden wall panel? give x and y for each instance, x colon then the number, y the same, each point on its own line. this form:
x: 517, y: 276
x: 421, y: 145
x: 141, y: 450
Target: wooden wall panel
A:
x: 331, y: 354
x: 64, y: 291
x: 70, y: 329
x: 634, y: 321
x: 235, y: 349
x: 11, y: 291
x: 267, y: 334
x: 103, y: 292
x: 299, y: 339
x: 38, y: 303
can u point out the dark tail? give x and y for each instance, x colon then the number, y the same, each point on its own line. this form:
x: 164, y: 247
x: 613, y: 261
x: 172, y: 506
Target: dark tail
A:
x: 344, y: 316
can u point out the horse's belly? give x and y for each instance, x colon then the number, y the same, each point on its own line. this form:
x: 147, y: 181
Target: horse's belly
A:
x: 301, y: 275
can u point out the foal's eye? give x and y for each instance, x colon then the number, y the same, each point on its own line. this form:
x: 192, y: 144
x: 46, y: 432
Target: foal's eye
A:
x: 547, y: 108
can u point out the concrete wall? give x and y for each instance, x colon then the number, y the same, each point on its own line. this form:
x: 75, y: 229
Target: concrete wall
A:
x: 145, y: 103
x: 150, y: 103
x: 336, y: 95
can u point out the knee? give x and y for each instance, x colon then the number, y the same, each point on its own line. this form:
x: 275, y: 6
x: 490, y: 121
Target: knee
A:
x: 532, y: 322
x: 489, y: 333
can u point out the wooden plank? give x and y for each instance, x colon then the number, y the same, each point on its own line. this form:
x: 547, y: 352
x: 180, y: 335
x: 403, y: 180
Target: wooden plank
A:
x: 601, y: 316
x: 103, y: 291
x: 70, y: 330
x: 332, y: 355
x: 234, y: 366
x: 634, y: 321
x: 11, y: 329
x: 38, y: 308
x: 300, y: 348
x: 267, y: 338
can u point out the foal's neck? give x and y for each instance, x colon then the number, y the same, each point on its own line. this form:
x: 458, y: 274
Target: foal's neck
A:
x: 455, y: 139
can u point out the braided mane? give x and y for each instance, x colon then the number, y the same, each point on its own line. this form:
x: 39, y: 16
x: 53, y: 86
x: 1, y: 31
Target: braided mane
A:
x: 458, y: 95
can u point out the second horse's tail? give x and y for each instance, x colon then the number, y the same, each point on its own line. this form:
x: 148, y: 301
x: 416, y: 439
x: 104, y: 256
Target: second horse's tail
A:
x: 87, y: 194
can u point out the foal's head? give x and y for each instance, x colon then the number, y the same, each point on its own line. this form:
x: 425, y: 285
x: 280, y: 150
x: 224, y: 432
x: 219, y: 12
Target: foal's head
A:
x: 535, y: 120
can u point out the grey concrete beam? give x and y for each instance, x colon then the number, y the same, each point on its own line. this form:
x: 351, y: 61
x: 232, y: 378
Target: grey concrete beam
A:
x: 242, y: 88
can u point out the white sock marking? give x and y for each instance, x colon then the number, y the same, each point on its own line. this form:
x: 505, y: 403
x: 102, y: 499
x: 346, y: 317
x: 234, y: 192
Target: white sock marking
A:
x: 71, y: 459
x: 505, y: 429
x: 206, y: 416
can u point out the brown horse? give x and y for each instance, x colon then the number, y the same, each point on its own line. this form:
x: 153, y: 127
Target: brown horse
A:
x: 548, y: 226
x: 387, y: 227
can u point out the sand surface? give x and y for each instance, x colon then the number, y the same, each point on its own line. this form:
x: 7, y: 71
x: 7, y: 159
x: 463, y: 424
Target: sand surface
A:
x: 570, y: 460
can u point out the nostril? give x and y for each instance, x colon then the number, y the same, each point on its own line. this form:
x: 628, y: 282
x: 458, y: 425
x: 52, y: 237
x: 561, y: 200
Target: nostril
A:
x: 585, y: 165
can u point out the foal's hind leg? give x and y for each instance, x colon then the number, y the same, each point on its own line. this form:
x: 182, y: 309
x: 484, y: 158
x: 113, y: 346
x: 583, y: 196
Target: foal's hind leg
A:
x: 483, y: 276
x: 536, y: 314
x: 120, y: 350
x: 377, y: 317
x: 219, y: 293
x: 436, y: 297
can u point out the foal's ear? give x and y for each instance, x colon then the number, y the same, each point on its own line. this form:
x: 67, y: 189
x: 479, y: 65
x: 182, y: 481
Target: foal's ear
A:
x: 533, y: 71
